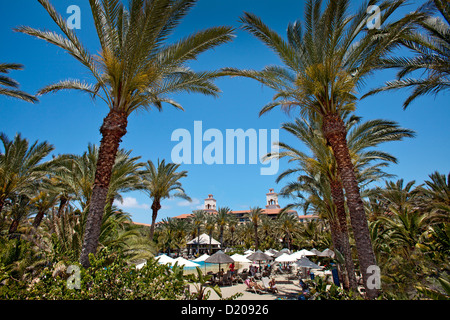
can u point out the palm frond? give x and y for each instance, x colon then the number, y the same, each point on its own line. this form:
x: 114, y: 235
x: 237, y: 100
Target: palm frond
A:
x: 70, y: 84
x: 18, y: 94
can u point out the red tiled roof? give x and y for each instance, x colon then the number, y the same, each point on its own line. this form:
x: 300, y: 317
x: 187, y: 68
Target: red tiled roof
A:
x: 264, y: 211
x: 184, y: 216
x: 309, y: 216
x: 142, y: 224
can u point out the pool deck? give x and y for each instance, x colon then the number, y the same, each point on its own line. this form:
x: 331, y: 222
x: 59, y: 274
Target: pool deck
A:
x: 286, y: 289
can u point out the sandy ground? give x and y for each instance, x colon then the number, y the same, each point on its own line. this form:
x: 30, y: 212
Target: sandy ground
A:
x: 286, y: 288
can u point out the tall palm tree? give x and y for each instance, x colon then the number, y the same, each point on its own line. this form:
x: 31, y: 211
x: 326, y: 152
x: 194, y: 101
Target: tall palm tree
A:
x: 9, y: 87
x: 135, y: 69
x: 161, y: 181
x: 327, y: 58
x: 431, y: 48
x: 255, y: 216
x: 327, y: 190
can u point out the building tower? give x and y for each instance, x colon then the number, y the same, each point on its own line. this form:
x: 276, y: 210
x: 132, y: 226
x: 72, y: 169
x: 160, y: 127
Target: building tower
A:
x: 210, y: 204
x: 272, y: 200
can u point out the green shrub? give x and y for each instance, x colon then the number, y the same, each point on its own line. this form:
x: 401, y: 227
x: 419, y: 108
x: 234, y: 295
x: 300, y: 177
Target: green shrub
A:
x: 109, y: 278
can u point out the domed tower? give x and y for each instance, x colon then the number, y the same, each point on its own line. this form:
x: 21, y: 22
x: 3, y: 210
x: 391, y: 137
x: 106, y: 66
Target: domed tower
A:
x: 272, y: 200
x: 210, y: 204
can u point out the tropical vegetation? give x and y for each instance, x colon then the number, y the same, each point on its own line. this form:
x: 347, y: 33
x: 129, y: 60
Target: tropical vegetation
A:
x: 59, y: 213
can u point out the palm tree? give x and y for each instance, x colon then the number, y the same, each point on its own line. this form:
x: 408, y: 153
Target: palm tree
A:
x: 288, y: 224
x: 125, y: 175
x: 312, y: 235
x: 437, y: 192
x: 198, y: 220
x: 76, y: 174
x: 326, y: 59
x: 431, y: 49
x: 222, y: 218
x: 255, y: 216
x: 165, y: 234
x: 20, y: 210
x: 43, y: 202
x: 22, y: 166
x: 322, y: 180
x: 161, y: 181
x: 405, y: 226
x: 8, y: 86
x: 269, y: 232
x: 232, y: 226
x: 210, y: 225
x: 134, y: 70
x: 398, y: 196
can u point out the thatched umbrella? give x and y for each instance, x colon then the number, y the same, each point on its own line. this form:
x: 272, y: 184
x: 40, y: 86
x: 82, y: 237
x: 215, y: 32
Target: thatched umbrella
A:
x: 219, y: 258
x: 306, y: 263
x: 279, y: 253
x: 327, y: 253
x: 259, y: 256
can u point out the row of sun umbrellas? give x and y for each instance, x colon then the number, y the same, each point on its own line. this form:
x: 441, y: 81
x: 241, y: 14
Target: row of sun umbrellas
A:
x: 249, y: 256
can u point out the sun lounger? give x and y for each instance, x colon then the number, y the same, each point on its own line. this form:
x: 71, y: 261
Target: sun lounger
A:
x: 278, y: 270
x: 266, y: 285
x: 252, y: 288
x: 226, y: 279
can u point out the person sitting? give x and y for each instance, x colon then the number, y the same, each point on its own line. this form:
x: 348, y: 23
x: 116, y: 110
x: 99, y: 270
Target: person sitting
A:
x: 272, y: 285
x: 252, y: 271
x: 252, y: 283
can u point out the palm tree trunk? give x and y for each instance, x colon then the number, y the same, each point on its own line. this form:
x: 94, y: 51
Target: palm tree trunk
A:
x: 336, y: 238
x: 256, y: 236
x: 221, y: 236
x: 335, y: 133
x: 62, y: 204
x: 113, y: 129
x: 13, y: 227
x: 155, y: 208
x: 338, y: 196
x: 198, y: 240
x: 210, y: 248
x: 288, y: 237
x: 38, y: 218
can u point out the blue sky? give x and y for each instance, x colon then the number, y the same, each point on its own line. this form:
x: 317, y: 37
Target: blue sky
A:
x: 70, y: 121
